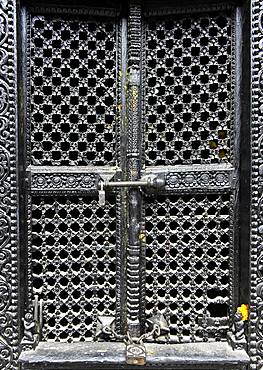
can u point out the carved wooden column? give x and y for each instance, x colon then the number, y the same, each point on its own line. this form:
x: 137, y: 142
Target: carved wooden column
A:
x: 134, y: 172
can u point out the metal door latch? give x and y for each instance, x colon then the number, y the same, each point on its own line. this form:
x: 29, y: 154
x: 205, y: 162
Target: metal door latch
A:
x: 149, y: 181
x: 102, y: 195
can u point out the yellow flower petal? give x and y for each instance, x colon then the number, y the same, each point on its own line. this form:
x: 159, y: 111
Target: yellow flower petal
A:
x: 243, y: 309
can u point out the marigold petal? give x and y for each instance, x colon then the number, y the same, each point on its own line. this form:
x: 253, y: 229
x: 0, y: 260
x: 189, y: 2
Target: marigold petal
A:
x: 244, y: 310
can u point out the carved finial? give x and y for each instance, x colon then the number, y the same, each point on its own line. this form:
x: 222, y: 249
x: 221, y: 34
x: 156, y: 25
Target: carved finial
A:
x: 29, y: 327
x: 238, y: 326
x: 29, y: 339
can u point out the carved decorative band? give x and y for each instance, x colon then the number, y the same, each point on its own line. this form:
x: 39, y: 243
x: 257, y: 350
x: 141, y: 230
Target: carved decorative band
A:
x: 256, y: 215
x: 65, y: 180
x: 199, y: 180
x: 172, y: 10
x: 183, y: 179
x: 9, y: 281
x: 103, y: 12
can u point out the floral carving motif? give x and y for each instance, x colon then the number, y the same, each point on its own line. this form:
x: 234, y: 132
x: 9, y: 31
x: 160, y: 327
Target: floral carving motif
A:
x: 5, y: 356
x: 4, y: 164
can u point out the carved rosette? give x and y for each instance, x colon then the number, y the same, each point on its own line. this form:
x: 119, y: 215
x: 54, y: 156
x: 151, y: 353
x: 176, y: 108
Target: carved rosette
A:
x: 52, y: 183
x: 256, y: 304
x: 199, y: 181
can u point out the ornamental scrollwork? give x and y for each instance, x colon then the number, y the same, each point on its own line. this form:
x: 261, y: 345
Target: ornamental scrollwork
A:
x: 3, y: 98
x: 8, y: 189
x: 260, y: 146
x: 3, y: 27
x: 256, y: 252
x: 4, y: 294
x: 4, y: 229
x: 5, y: 356
x: 259, y: 328
x: 4, y: 133
x: 4, y: 164
x: 3, y: 4
x: 3, y: 60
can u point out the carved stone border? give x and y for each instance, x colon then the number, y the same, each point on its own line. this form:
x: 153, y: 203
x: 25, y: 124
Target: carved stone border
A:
x: 256, y: 251
x: 9, y: 320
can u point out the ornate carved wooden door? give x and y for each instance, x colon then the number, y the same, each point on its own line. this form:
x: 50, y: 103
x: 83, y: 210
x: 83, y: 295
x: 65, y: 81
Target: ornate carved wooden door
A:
x: 132, y: 140
x: 74, y: 129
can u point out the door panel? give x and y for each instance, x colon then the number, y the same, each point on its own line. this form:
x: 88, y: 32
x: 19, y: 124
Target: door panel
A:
x: 74, y: 242
x: 188, y: 88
